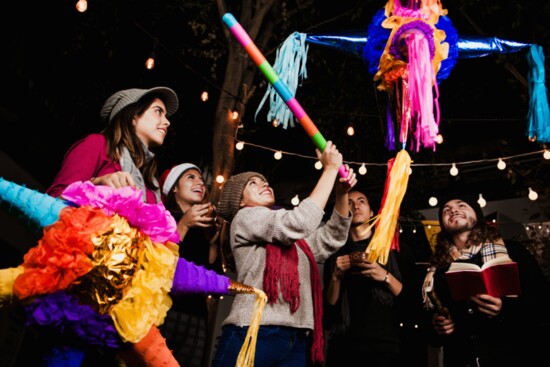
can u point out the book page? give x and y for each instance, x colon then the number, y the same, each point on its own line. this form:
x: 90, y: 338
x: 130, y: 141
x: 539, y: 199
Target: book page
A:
x: 463, y: 266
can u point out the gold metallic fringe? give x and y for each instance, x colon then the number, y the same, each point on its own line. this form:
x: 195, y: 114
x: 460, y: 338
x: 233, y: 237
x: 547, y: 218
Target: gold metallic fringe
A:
x: 248, y: 350
x: 240, y: 288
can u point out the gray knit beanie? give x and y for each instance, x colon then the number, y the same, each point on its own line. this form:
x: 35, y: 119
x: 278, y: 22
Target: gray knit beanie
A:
x: 231, y: 194
x: 115, y: 103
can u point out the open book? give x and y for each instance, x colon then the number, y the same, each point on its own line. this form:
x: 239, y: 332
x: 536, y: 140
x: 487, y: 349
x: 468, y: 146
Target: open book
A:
x: 497, y: 277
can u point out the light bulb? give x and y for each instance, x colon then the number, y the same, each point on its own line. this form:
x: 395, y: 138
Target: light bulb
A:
x: 481, y: 201
x: 439, y: 139
x: 410, y: 171
x: 362, y: 169
x: 204, y: 96
x: 454, y: 170
x: 318, y: 165
x: 82, y: 6
x: 220, y: 179
x: 295, y: 200
x: 275, y: 122
x: 278, y: 155
x: 533, y: 194
x: 546, y: 154
x: 239, y: 145
x: 235, y: 115
x: 150, y: 62
x: 350, y: 130
x: 501, y: 164
x: 432, y: 201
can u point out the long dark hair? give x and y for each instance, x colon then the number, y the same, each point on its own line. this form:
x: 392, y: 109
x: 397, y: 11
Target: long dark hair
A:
x: 121, y: 132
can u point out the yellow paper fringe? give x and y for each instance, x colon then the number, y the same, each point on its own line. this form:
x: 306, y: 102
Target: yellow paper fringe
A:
x: 7, y: 278
x: 147, y: 301
x: 379, y: 247
x: 248, y: 350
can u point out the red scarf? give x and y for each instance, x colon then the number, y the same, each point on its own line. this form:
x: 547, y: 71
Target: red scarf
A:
x: 281, y: 267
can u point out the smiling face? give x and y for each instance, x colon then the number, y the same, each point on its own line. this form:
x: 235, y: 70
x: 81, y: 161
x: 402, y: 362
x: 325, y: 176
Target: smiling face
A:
x: 458, y: 216
x: 152, y: 126
x: 257, y: 193
x: 189, y: 189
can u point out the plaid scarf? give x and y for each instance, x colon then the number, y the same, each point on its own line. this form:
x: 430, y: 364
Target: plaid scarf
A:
x: 281, y: 267
x: 488, y: 251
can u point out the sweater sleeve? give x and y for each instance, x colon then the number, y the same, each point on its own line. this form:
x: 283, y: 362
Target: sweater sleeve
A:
x: 264, y: 225
x: 82, y: 161
x: 329, y: 237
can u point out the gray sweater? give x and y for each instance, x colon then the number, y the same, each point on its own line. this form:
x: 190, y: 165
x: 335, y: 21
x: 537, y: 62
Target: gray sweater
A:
x: 252, y: 228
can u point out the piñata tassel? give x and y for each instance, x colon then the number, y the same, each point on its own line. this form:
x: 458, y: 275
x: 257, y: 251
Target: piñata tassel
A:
x: 290, y: 65
x: 394, y: 191
x: 421, y: 77
x: 539, y: 115
x: 248, y: 350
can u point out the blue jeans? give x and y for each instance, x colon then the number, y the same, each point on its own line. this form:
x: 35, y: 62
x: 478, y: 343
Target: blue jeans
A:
x: 276, y: 346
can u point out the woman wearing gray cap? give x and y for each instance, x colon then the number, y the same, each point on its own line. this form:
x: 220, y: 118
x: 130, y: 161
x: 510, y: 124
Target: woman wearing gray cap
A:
x: 277, y: 251
x: 120, y: 155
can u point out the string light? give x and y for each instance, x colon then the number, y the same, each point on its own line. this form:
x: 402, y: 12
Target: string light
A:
x: 481, y: 201
x: 278, y: 155
x: 82, y: 6
x: 363, y: 170
x: 235, y: 115
x: 150, y: 62
x: 501, y: 164
x: 453, y: 171
x: 295, y: 200
x: 432, y: 201
x: 439, y: 139
x: 533, y: 194
x: 220, y: 179
x: 239, y: 145
x: 204, y: 96
x: 275, y: 122
x: 350, y: 130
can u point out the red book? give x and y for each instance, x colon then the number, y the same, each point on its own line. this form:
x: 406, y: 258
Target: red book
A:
x: 497, y: 277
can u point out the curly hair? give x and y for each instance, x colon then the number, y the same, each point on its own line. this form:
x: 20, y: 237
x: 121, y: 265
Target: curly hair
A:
x: 481, y: 233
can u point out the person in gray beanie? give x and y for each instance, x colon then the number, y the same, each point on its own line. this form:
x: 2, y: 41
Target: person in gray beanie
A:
x: 277, y: 251
x: 483, y: 330
x: 120, y: 155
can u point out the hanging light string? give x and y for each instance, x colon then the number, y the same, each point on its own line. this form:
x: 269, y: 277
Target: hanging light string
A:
x: 487, y: 160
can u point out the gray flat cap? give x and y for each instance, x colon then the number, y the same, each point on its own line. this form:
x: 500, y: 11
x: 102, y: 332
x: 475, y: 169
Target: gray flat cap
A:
x: 123, y: 98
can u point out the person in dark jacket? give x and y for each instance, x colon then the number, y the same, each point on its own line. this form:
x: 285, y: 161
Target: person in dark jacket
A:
x: 484, y: 330
x: 361, y: 299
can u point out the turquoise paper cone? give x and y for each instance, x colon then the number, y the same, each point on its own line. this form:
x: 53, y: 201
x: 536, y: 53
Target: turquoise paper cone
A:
x: 39, y: 208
